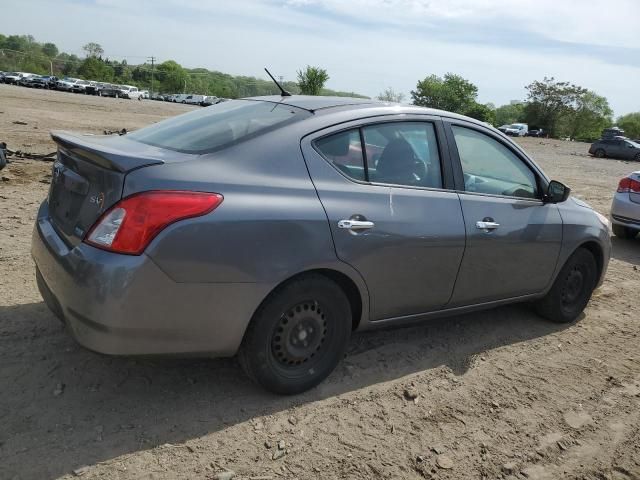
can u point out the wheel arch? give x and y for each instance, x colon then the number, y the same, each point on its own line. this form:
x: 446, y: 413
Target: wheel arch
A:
x: 596, y: 250
x: 358, y: 300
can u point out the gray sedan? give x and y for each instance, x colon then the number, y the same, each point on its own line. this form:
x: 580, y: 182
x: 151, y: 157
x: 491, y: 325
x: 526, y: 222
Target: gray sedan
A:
x: 273, y: 227
x: 625, y: 209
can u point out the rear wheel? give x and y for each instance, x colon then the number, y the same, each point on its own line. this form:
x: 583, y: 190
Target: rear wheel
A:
x: 637, y: 157
x: 298, y: 336
x: 572, y: 288
x: 600, y: 153
x: 621, y: 231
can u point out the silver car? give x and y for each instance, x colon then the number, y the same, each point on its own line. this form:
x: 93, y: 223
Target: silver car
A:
x: 625, y: 209
x: 274, y: 227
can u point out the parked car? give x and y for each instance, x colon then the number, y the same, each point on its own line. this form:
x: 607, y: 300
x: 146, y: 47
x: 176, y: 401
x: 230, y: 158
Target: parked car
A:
x: 42, y: 81
x: 11, y: 77
x: 95, y: 88
x: 25, y: 78
x: 617, y: 147
x: 537, y: 132
x: 210, y: 100
x: 625, y: 209
x: 80, y: 86
x: 110, y: 90
x: 129, y: 91
x: 517, y: 129
x: 67, y: 84
x: 260, y: 227
x: 194, y: 99
x: 179, y: 98
x: 158, y: 96
x: 144, y: 94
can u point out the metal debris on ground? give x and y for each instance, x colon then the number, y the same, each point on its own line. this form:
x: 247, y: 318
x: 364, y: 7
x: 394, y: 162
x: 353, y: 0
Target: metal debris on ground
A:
x: 113, y: 132
x: 3, y: 155
x: 6, y: 153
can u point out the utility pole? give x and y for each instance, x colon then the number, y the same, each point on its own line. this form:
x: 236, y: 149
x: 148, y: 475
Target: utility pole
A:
x: 153, y: 59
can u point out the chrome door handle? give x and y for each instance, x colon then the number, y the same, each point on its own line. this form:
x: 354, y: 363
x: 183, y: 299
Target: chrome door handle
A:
x: 355, y: 225
x: 484, y: 225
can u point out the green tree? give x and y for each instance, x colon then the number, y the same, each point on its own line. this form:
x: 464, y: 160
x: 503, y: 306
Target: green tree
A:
x: 311, y: 80
x: 172, y: 76
x: 452, y: 93
x: 390, y: 95
x: 508, y: 114
x: 93, y: 68
x: 481, y: 112
x: 549, y: 101
x: 93, y: 49
x: 588, y: 117
x: 630, y: 123
x: 50, y: 49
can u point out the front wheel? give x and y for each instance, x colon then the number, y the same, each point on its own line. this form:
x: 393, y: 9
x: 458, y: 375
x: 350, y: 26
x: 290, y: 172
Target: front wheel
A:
x: 637, y: 157
x: 621, y: 231
x: 600, y: 153
x: 571, y: 290
x: 298, y: 336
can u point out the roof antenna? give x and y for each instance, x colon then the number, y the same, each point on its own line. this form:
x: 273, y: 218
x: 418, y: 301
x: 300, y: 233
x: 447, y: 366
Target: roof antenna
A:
x: 283, y: 92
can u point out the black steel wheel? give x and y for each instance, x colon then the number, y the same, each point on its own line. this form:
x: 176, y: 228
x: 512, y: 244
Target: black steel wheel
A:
x: 572, y: 288
x: 298, y: 336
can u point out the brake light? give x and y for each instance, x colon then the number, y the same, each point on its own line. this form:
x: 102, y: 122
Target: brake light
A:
x: 130, y: 225
x: 628, y: 185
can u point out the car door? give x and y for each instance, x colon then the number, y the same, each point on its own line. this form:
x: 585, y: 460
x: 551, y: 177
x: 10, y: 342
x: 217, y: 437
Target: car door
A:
x: 513, y: 237
x: 387, y: 189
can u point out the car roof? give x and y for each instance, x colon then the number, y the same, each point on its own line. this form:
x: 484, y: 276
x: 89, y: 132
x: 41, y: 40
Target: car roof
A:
x: 313, y: 103
x: 327, y: 105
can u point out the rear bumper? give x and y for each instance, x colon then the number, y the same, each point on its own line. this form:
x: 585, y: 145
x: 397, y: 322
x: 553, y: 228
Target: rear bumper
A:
x: 625, y: 212
x: 125, y: 305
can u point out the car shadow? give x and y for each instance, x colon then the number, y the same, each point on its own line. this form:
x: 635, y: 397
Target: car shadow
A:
x: 626, y: 250
x: 62, y: 406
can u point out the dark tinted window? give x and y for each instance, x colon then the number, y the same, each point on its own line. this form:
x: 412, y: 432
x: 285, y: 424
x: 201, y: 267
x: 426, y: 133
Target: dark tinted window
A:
x: 490, y: 167
x: 218, y: 126
x: 345, y: 152
x: 403, y: 153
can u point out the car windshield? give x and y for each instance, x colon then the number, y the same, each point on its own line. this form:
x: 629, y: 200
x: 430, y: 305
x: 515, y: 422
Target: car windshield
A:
x: 633, y: 144
x: 218, y: 126
x: 515, y: 126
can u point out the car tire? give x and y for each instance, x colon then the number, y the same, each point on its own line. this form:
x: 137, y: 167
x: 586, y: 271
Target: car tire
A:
x: 572, y: 289
x: 297, y: 336
x: 600, y: 153
x: 621, y: 231
x: 637, y: 157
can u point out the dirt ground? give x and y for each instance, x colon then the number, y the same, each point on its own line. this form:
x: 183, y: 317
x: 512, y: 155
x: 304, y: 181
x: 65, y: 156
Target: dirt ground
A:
x: 500, y: 394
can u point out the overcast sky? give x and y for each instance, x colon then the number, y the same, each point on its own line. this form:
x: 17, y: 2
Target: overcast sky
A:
x: 365, y: 45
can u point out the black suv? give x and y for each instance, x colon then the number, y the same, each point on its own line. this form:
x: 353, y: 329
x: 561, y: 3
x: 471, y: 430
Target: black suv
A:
x: 616, y: 147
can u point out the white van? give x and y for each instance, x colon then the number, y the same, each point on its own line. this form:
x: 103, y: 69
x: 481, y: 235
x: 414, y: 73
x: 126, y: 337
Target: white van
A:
x: 195, y: 99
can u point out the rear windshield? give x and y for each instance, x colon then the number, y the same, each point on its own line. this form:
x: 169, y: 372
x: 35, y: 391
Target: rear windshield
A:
x: 218, y: 126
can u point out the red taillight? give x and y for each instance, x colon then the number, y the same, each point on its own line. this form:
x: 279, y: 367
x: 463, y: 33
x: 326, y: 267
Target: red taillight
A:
x: 130, y: 225
x: 629, y: 185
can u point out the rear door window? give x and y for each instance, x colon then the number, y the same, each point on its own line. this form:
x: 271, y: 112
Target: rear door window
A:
x: 403, y: 153
x: 344, y: 151
x: 219, y: 126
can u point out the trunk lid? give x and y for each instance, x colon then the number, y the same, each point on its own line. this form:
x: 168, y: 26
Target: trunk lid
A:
x: 88, y: 178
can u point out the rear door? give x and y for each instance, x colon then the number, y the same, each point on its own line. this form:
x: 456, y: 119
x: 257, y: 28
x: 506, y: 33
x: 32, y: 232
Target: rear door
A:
x: 513, y: 238
x: 387, y: 188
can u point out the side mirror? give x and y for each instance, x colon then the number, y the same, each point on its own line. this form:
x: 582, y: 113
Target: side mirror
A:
x: 556, y: 192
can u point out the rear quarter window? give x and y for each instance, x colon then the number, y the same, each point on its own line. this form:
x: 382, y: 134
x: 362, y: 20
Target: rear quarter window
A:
x: 218, y: 126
